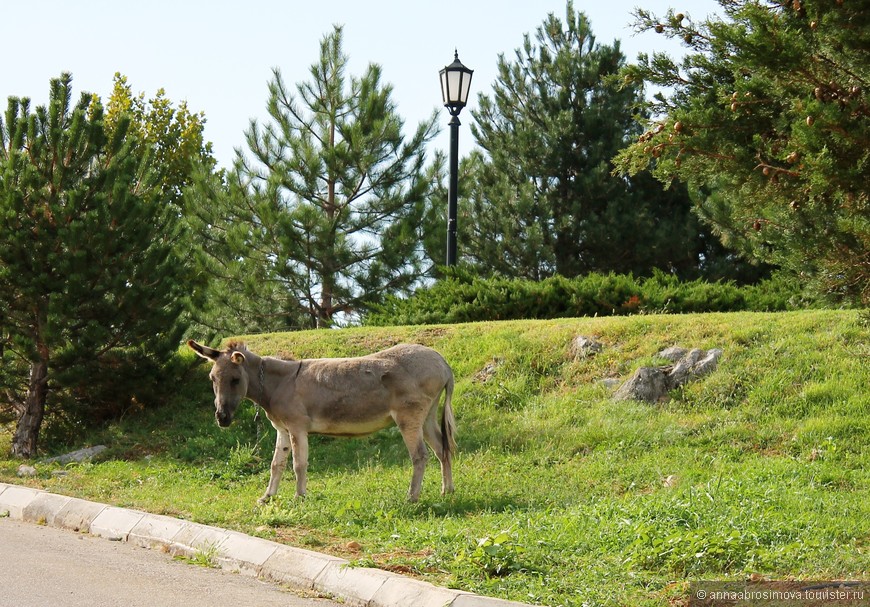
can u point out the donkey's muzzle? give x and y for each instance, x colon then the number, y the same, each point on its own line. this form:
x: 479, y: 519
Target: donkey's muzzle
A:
x: 223, y: 419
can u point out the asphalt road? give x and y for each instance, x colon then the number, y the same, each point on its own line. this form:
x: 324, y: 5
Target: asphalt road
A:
x: 47, y: 567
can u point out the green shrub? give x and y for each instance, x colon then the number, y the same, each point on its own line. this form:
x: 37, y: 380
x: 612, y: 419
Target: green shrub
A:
x: 464, y: 297
x: 493, y: 556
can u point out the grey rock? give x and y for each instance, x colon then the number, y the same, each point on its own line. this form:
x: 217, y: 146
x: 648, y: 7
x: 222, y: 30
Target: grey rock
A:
x: 488, y: 372
x: 648, y: 384
x: 708, y: 363
x: 652, y: 384
x: 673, y: 354
x: 584, y: 347
x: 682, y: 370
x: 610, y: 383
x: 76, y: 456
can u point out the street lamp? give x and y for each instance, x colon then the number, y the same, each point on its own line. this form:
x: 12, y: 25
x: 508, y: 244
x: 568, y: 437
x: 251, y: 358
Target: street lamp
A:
x: 455, y: 85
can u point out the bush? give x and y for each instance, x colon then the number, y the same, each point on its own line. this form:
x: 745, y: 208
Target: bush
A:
x: 463, y: 297
x: 100, y: 390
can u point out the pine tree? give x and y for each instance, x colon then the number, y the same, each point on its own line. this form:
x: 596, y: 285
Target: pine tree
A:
x: 767, y: 123
x: 87, y: 274
x: 324, y: 215
x: 543, y: 200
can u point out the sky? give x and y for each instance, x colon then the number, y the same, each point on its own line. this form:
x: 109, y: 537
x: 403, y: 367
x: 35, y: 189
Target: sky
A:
x: 218, y: 55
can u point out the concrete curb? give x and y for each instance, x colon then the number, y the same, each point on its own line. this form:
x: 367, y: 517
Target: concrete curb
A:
x: 256, y: 557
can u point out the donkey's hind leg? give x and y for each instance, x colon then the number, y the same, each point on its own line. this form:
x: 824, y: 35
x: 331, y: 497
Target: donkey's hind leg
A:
x: 412, y: 433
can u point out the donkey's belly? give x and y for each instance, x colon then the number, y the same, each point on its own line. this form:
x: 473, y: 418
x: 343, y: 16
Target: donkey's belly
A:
x: 349, y: 428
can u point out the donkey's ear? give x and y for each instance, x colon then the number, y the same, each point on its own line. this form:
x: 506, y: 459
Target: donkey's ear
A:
x: 237, y: 357
x: 204, y: 351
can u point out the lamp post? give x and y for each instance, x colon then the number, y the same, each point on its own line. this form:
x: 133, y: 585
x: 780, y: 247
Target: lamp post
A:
x: 455, y: 85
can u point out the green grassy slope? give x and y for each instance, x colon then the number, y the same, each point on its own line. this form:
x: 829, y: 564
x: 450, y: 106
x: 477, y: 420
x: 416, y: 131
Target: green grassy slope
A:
x: 564, y: 496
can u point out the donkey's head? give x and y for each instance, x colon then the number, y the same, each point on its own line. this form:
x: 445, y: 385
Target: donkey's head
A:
x: 229, y: 378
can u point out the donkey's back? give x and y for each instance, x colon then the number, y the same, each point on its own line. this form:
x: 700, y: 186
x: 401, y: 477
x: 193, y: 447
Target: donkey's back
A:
x: 358, y: 396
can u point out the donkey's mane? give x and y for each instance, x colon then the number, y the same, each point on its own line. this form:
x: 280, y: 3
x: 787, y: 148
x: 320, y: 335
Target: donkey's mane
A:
x: 236, y: 346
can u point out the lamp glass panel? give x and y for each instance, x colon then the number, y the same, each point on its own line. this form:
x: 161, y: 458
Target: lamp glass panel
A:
x: 444, y: 86
x: 454, y: 81
x: 466, y: 85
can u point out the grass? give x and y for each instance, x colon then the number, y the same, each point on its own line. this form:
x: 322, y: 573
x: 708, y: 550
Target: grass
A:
x: 564, y: 496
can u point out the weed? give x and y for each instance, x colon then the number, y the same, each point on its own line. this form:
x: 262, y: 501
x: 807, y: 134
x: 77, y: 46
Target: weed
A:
x: 205, y: 556
x: 494, y: 556
x: 244, y: 460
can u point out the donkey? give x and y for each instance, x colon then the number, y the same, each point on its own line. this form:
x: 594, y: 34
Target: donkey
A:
x: 341, y: 397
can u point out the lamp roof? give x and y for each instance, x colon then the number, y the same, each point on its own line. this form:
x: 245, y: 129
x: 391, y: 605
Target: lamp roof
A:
x: 457, y: 64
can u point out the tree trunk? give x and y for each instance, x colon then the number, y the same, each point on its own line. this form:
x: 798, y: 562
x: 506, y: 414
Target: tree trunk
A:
x: 324, y: 316
x: 327, y: 286
x: 27, y: 431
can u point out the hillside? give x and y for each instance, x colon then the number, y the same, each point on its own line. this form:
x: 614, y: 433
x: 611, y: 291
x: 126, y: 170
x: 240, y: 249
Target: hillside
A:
x: 564, y: 495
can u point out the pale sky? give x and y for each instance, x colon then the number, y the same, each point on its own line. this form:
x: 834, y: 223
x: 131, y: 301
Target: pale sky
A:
x: 218, y: 54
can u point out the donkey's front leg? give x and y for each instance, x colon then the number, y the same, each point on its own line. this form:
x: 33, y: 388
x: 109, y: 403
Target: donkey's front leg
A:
x: 279, y: 462
x: 299, y: 440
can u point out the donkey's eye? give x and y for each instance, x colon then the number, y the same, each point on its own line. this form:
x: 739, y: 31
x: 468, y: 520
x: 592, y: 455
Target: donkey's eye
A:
x: 234, y: 381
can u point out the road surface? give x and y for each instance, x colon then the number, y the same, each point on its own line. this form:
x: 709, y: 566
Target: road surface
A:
x: 47, y: 567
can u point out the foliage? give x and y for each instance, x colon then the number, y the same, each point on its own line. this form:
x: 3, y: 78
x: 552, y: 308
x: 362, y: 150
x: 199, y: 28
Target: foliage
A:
x: 174, y: 139
x: 767, y: 123
x: 494, y: 556
x: 324, y: 216
x: 173, y: 135
x: 541, y: 199
x: 564, y: 496
x: 465, y: 297
x: 90, y: 286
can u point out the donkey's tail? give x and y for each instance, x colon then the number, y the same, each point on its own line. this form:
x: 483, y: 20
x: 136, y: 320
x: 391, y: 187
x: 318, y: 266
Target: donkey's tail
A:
x: 448, y: 422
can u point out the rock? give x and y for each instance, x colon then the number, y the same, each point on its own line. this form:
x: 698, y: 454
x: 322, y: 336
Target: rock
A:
x: 25, y: 470
x: 76, y: 456
x: 693, y: 365
x: 647, y: 384
x: 709, y: 363
x: 488, y: 371
x: 584, y: 347
x: 673, y: 354
x: 681, y: 372
x: 610, y: 383
x: 652, y: 384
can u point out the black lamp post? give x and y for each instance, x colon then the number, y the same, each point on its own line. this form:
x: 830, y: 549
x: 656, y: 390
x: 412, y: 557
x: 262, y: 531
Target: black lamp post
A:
x: 455, y: 84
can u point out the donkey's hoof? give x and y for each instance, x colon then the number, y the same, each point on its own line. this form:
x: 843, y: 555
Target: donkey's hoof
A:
x: 264, y: 500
